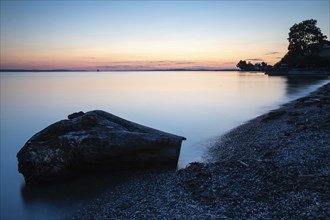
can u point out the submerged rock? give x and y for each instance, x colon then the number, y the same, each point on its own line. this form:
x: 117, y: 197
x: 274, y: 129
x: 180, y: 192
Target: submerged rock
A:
x: 95, y: 140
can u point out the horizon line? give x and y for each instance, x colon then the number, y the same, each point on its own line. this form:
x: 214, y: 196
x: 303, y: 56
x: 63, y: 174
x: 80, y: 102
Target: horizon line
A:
x: 124, y: 70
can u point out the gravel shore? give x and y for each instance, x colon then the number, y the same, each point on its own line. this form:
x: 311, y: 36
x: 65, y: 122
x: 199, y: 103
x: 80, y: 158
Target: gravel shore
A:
x: 276, y: 166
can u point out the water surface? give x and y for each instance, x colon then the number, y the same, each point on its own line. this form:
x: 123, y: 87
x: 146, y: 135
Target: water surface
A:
x: 197, y: 105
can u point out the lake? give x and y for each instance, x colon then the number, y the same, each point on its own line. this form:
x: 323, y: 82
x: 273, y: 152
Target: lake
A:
x: 199, y: 105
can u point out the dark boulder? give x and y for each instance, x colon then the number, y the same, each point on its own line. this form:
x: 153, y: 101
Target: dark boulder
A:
x: 95, y: 140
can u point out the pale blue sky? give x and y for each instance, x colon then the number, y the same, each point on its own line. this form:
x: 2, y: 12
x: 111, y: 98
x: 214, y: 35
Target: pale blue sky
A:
x: 137, y: 31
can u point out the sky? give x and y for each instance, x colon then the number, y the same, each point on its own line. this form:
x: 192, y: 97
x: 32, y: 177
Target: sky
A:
x: 137, y: 35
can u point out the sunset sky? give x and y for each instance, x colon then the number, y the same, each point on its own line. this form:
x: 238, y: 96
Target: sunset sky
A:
x: 126, y: 35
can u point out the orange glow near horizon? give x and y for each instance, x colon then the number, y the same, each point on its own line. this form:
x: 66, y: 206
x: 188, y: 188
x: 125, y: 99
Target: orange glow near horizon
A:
x: 138, y: 58
x: 143, y: 35
x: 137, y: 54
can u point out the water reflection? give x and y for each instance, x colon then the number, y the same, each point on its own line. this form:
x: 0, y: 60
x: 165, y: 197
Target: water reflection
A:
x: 80, y: 188
x: 76, y: 192
x: 297, y: 84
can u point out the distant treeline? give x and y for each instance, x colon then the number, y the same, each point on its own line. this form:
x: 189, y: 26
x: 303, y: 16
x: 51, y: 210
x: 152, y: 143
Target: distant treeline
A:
x: 308, y: 49
x: 243, y: 65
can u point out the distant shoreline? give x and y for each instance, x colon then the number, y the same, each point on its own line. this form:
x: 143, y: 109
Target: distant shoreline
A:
x: 148, y: 70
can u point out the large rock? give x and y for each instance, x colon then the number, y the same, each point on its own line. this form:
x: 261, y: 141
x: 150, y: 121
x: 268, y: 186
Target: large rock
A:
x: 95, y: 140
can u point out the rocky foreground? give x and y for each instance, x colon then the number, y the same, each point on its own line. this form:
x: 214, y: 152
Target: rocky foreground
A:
x: 94, y: 141
x: 276, y: 166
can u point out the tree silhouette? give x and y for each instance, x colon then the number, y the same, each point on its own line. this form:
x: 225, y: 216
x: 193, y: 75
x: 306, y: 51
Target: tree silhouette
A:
x: 242, y: 65
x: 304, y: 37
x: 252, y: 67
x: 305, y: 43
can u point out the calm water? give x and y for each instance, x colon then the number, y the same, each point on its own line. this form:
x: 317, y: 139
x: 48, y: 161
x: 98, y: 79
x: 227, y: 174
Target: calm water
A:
x: 197, y: 105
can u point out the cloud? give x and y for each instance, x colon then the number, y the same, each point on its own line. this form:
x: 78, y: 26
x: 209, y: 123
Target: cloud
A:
x: 184, y: 63
x: 148, y: 65
x: 122, y: 62
x: 170, y: 62
x: 255, y: 59
x: 122, y: 67
x: 272, y: 53
x: 89, y: 58
x: 160, y: 61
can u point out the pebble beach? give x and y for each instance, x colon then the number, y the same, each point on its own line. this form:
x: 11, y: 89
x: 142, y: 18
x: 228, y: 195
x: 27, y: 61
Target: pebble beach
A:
x: 275, y: 166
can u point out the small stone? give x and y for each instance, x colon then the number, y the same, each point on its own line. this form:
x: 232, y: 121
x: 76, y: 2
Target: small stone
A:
x: 273, y: 115
x: 75, y: 115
